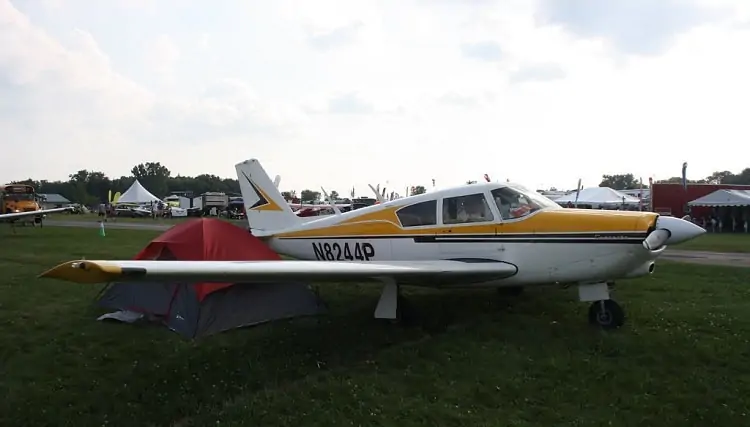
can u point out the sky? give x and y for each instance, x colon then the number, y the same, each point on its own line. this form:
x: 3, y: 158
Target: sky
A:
x: 397, y: 92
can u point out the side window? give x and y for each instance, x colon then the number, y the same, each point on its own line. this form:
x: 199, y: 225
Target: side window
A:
x: 466, y: 209
x: 424, y: 213
x: 513, y: 204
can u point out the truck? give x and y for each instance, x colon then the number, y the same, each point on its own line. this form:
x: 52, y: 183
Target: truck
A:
x: 210, y: 200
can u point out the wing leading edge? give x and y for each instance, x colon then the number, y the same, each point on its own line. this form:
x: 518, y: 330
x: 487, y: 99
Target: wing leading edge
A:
x: 15, y: 215
x: 85, y: 271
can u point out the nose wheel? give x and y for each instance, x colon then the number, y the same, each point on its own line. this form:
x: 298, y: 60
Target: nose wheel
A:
x: 606, y: 314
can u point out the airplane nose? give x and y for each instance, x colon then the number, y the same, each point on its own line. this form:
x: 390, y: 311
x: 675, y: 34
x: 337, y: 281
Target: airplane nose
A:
x: 679, y: 229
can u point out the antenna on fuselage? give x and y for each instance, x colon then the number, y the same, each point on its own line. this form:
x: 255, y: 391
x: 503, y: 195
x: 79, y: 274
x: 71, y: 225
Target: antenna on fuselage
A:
x: 277, y: 181
x: 335, y: 208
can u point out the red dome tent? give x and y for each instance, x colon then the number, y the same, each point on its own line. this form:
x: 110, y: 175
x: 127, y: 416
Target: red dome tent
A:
x: 197, y: 309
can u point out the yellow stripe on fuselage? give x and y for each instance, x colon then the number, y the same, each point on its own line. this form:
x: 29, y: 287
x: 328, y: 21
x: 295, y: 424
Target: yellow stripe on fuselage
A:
x: 385, y: 223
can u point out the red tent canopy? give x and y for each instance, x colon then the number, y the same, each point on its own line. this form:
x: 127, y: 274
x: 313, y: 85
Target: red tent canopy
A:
x: 207, y: 239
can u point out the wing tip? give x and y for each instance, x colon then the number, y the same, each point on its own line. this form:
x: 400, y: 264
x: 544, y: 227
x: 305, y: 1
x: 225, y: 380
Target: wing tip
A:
x: 81, y: 271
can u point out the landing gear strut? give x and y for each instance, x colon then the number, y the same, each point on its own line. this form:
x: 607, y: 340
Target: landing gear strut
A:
x: 603, y: 312
x: 392, y: 305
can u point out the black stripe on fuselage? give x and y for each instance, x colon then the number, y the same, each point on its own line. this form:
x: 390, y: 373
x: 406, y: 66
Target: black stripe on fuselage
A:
x: 591, y: 237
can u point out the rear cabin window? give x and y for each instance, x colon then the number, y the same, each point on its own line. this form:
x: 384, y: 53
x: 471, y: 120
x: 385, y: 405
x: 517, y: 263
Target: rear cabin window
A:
x: 466, y: 209
x: 424, y: 213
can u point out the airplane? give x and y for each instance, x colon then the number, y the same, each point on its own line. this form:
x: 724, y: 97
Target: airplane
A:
x: 497, y: 235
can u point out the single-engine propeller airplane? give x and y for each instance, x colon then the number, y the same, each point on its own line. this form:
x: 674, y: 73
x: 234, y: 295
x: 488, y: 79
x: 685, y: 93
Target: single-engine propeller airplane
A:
x: 479, y: 235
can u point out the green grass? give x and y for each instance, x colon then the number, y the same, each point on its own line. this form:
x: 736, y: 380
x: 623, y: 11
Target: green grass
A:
x: 681, y: 360
x: 718, y: 242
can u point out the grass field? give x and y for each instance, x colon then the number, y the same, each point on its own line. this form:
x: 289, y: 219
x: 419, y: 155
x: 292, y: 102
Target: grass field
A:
x: 719, y: 242
x: 682, y: 359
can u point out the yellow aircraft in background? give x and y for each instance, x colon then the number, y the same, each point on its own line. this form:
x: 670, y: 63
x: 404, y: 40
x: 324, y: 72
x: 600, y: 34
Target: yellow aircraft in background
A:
x: 498, y: 235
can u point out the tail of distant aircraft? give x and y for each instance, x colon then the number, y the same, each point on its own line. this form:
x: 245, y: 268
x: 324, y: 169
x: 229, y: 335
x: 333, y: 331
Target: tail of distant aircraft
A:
x: 267, y: 211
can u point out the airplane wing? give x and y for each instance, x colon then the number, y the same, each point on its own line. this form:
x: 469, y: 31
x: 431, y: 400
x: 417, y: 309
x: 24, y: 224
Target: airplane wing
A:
x: 32, y: 213
x: 85, y: 271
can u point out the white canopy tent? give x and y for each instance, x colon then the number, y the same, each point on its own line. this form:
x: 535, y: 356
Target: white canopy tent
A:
x: 597, y: 196
x: 723, y: 198
x: 137, y: 194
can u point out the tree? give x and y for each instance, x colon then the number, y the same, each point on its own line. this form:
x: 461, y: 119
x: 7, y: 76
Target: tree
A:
x: 153, y: 176
x: 309, y: 196
x: 419, y: 189
x: 287, y: 195
x: 334, y: 195
x: 620, y: 182
x: 720, y: 177
x: 678, y: 180
x: 726, y: 177
x: 88, y: 187
x: 470, y: 182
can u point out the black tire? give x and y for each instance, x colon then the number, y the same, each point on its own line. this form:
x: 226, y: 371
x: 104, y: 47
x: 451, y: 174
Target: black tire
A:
x: 606, y: 314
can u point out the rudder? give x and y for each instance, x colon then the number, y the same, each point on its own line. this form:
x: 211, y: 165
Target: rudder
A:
x: 267, y: 211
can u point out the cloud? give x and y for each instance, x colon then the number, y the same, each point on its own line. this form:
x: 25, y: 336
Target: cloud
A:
x: 349, y: 103
x: 642, y: 27
x: 543, y: 72
x: 162, y: 55
x: 335, y: 37
x: 466, y: 101
x: 483, y: 51
x: 80, y: 87
x: 60, y: 99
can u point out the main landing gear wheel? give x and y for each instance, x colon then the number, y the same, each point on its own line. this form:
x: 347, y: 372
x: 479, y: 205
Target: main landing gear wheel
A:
x: 606, y: 314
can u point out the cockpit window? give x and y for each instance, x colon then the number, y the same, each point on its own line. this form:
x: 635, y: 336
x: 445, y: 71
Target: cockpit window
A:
x: 465, y: 209
x: 418, y: 214
x: 513, y: 203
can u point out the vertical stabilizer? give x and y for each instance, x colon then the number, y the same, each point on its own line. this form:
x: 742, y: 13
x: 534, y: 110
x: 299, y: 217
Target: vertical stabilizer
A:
x: 267, y: 211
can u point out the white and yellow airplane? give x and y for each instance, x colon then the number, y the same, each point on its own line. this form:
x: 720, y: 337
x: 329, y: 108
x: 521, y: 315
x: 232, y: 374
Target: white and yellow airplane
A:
x: 479, y: 235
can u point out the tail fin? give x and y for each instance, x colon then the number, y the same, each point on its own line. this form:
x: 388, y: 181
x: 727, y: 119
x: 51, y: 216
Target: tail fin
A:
x: 267, y: 211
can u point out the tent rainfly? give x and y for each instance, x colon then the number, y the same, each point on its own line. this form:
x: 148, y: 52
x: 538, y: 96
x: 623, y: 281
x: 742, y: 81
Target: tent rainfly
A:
x: 723, y: 198
x: 137, y: 194
x: 598, y: 196
x: 201, y: 309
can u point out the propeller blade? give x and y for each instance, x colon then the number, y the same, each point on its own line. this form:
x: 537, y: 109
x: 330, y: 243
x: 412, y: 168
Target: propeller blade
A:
x: 656, y: 239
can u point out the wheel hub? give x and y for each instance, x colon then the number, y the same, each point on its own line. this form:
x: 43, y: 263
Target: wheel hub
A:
x: 604, y: 317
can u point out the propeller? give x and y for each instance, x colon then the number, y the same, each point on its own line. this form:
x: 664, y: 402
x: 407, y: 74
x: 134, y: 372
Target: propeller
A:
x: 657, y: 239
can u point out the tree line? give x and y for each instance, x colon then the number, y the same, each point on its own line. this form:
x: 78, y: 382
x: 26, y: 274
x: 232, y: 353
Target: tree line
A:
x: 630, y: 182
x: 90, y: 187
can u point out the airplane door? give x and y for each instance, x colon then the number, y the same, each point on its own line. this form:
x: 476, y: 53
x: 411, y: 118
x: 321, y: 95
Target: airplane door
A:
x: 453, y: 243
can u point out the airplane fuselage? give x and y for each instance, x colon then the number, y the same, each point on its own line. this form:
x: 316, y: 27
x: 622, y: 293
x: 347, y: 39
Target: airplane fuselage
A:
x: 547, y: 246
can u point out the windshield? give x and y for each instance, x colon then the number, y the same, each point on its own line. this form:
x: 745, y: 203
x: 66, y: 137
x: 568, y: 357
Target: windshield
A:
x: 517, y: 202
x: 18, y: 197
